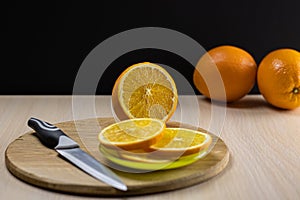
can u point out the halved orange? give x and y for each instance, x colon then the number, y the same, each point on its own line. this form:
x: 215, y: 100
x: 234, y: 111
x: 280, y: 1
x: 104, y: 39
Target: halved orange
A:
x: 144, y: 90
x: 139, y: 133
x: 181, y: 142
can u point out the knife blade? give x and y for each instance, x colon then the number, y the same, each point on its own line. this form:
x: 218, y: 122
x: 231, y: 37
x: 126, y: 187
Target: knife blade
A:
x: 56, y: 139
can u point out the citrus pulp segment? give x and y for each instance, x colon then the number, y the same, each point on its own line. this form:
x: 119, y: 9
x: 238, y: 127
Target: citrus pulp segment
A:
x: 181, y: 142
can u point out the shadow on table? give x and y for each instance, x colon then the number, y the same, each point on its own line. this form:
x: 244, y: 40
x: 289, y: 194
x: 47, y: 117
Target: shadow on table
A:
x: 244, y: 103
x: 249, y: 103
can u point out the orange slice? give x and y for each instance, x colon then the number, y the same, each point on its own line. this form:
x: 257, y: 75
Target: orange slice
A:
x: 139, y: 133
x: 144, y: 90
x: 181, y: 142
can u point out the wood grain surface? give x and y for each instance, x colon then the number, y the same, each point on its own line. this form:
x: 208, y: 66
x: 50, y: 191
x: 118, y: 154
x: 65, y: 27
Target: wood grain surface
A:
x: 263, y: 143
x: 32, y: 162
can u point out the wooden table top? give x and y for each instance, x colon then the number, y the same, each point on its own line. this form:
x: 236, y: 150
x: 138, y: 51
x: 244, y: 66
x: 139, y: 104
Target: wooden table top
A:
x: 263, y: 143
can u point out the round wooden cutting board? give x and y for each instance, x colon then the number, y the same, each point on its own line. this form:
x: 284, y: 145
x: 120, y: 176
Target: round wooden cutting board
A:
x: 29, y: 160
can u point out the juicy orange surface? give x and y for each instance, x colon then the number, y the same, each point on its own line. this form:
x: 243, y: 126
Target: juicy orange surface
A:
x: 132, y: 134
x: 180, y: 140
x: 144, y: 90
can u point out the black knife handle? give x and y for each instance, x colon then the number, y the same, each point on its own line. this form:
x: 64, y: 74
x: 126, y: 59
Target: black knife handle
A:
x: 47, y: 133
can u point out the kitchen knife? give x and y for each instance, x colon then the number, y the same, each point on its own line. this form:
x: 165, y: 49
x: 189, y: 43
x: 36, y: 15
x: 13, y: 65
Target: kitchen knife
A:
x: 54, y: 138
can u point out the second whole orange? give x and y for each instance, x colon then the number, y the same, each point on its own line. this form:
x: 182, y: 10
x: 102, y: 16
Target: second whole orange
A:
x: 225, y: 73
x: 278, y: 78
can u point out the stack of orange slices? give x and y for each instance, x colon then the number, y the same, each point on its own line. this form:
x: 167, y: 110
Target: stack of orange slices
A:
x: 146, y: 143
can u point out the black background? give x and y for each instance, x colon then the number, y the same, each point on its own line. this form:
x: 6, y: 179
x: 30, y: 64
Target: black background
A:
x: 44, y: 44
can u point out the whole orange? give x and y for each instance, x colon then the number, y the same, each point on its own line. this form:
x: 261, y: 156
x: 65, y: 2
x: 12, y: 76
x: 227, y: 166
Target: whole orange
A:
x: 225, y: 73
x: 278, y: 78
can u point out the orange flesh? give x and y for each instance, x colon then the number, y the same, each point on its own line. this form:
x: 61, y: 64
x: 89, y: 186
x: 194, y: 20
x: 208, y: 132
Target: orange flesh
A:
x: 135, y: 131
x: 151, y: 100
x: 179, y: 139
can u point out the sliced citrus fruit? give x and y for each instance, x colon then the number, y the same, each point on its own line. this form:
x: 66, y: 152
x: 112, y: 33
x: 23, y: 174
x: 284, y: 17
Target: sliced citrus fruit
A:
x: 144, y: 90
x: 181, y: 142
x: 131, y: 134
